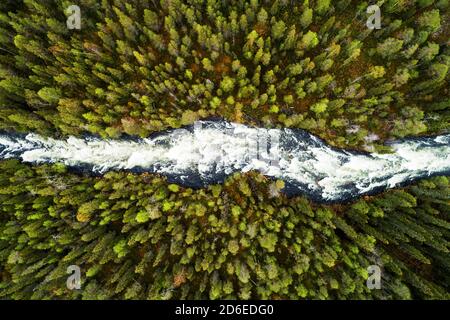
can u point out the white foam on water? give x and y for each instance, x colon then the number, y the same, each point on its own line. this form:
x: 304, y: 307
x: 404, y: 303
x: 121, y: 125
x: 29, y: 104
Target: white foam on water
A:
x: 216, y: 148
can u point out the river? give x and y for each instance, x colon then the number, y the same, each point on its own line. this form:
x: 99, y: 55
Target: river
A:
x: 211, y: 150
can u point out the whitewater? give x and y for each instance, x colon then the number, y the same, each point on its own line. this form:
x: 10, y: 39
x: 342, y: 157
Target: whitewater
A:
x: 209, y: 151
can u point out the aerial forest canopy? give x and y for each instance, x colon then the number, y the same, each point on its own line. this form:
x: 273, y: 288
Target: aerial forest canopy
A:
x: 138, y: 67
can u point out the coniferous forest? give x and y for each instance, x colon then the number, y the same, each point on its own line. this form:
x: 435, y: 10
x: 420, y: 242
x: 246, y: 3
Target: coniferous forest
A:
x: 138, y: 67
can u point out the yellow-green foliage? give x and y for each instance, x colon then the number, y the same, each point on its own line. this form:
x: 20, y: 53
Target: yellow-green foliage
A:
x: 218, y: 242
